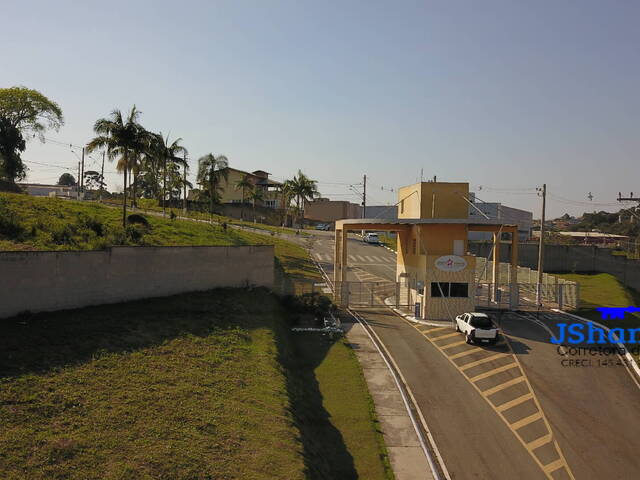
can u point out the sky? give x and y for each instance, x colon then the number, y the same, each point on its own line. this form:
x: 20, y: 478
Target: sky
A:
x: 505, y: 95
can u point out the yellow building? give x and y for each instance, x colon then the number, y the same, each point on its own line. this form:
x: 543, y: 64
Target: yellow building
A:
x: 259, y: 178
x: 433, y: 259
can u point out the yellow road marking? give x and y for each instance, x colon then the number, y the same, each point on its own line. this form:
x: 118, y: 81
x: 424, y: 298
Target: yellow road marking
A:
x: 481, y: 361
x: 526, y: 421
x: 505, y: 406
x: 516, y: 401
x: 502, y: 386
x: 553, y: 466
x: 495, y: 371
x: 538, y: 442
x: 432, y: 329
x: 454, y: 344
x: 447, y: 335
x: 466, y: 352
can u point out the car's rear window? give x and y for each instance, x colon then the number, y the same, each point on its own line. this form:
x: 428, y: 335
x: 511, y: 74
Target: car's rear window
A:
x: 481, y: 322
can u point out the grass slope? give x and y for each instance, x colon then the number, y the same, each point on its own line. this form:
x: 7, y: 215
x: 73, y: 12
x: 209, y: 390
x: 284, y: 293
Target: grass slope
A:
x: 204, y: 385
x: 184, y: 387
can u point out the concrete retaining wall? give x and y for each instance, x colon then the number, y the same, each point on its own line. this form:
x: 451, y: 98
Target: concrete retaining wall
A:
x: 571, y: 258
x: 45, y: 281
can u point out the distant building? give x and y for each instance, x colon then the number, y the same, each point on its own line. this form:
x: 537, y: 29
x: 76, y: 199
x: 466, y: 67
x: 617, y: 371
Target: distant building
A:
x: 325, y: 210
x: 591, y: 238
x: 500, y: 213
x: 260, y: 179
x: 43, y: 190
x: 389, y: 212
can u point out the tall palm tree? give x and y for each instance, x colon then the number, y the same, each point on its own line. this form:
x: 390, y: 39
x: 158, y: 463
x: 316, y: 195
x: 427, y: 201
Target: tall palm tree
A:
x: 286, y: 194
x: 119, y: 137
x: 211, y: 170
x: 244, y: 184
x: 256, y: 195
x: 142, y: 144
x: 165, y: 153
x: 303, y: 189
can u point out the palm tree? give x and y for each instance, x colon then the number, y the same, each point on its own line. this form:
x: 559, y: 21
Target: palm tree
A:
x: 119, y: 137
x: 211, y: 170
x: 286, y: 192
x: 256, y: 195
x: 303, y: 188
x: 142, y: 144
x: 166, y: 152
x: 244, y: 183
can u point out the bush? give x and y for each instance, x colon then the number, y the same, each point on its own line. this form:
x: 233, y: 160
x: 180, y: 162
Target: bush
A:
x: 135, y: 218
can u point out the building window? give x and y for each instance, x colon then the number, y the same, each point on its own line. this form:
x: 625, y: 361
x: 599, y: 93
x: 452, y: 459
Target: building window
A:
x: 270, y: 203
x: 449, y: 289
x: 401, y: 206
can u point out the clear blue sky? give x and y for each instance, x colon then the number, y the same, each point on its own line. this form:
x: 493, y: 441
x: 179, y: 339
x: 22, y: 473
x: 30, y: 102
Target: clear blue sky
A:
x: 502, y: 94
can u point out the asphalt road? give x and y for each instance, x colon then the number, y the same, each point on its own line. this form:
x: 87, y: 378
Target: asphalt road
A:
x: 521, y: 409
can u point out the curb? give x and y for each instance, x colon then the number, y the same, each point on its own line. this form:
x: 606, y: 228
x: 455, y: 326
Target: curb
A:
x: 413, y: 319
x: 621, y: 346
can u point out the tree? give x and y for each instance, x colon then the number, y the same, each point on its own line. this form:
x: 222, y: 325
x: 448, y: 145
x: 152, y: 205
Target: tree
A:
x: 11, y: 145
x: 303, y: 189
x: 211, y: 170
x: 120, y: 138
x: 67, y: 180
x: 23, y: 111
x: 168, y: 155
x: 94, y: 180
x: 256, y: 195
x: 244, y: 184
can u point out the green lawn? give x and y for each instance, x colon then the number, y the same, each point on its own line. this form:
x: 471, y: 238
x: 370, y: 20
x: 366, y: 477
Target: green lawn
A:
x: 196, y: 386
x: 604, y: 290
x: 184, y: 387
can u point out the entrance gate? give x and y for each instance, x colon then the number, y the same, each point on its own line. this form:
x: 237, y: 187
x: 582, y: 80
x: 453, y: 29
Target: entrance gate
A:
x: 373, y: 294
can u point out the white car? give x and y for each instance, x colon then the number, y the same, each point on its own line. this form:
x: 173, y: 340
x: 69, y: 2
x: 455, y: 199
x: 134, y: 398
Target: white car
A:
x: 371, y: 238
x: 477, y: 328
x: 323, y: 226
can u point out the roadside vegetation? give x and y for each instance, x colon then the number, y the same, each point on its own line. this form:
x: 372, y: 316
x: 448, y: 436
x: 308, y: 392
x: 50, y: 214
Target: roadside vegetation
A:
x: 196, y: 386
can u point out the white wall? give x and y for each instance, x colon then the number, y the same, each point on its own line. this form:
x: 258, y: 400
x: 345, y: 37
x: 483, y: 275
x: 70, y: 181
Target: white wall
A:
x: 45, y: 281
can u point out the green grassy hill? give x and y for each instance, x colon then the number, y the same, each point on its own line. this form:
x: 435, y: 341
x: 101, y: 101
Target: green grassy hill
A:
x: 196, y: 386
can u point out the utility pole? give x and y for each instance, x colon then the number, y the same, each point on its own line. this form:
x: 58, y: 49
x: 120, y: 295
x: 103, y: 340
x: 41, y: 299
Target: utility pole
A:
x: 82, y: 173
x: 364, y: 197
x: 102, y: 176
x: 184, y: 184
x: 541, y: 246
x: 78, y: 183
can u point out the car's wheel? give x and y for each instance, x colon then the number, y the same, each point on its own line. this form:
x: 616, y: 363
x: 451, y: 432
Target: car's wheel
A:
x: 457, y: 327
x: 468, y: 339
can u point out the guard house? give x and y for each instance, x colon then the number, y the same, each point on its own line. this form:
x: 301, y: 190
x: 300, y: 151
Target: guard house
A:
x: 433, y: 260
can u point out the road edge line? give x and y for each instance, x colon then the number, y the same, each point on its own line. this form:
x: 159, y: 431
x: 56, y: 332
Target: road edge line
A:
x: 395, y: 372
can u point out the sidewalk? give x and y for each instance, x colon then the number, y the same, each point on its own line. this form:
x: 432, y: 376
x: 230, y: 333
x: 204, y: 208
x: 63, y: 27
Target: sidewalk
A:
x: 405, y: 454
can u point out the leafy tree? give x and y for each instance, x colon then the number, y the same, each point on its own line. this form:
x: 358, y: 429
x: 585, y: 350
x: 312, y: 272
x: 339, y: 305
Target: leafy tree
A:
x: 120, y: 137
x: 244, y: 184
x: 94, y: 180
x: 256, y: 196
x: 211, y: 170
x: 23, y: 111
x: 67, y: 180
x: 11, y: 145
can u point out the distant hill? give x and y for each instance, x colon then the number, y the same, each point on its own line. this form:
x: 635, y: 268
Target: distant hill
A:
x: 606, y: 222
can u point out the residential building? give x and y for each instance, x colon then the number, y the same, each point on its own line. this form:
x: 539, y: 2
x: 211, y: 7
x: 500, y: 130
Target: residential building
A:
x: 43, y: 190
x: 259, y: 178
x: 325, y: 210
x: 495, y: 211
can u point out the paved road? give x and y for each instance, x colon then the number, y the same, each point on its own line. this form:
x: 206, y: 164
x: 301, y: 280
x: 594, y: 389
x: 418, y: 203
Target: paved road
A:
x: 516, y: 410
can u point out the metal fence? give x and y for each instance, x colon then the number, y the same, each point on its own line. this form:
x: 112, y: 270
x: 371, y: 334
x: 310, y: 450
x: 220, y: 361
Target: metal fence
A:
x: 554, y: 289
x: 524, y: 295
x: 373, y: 294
